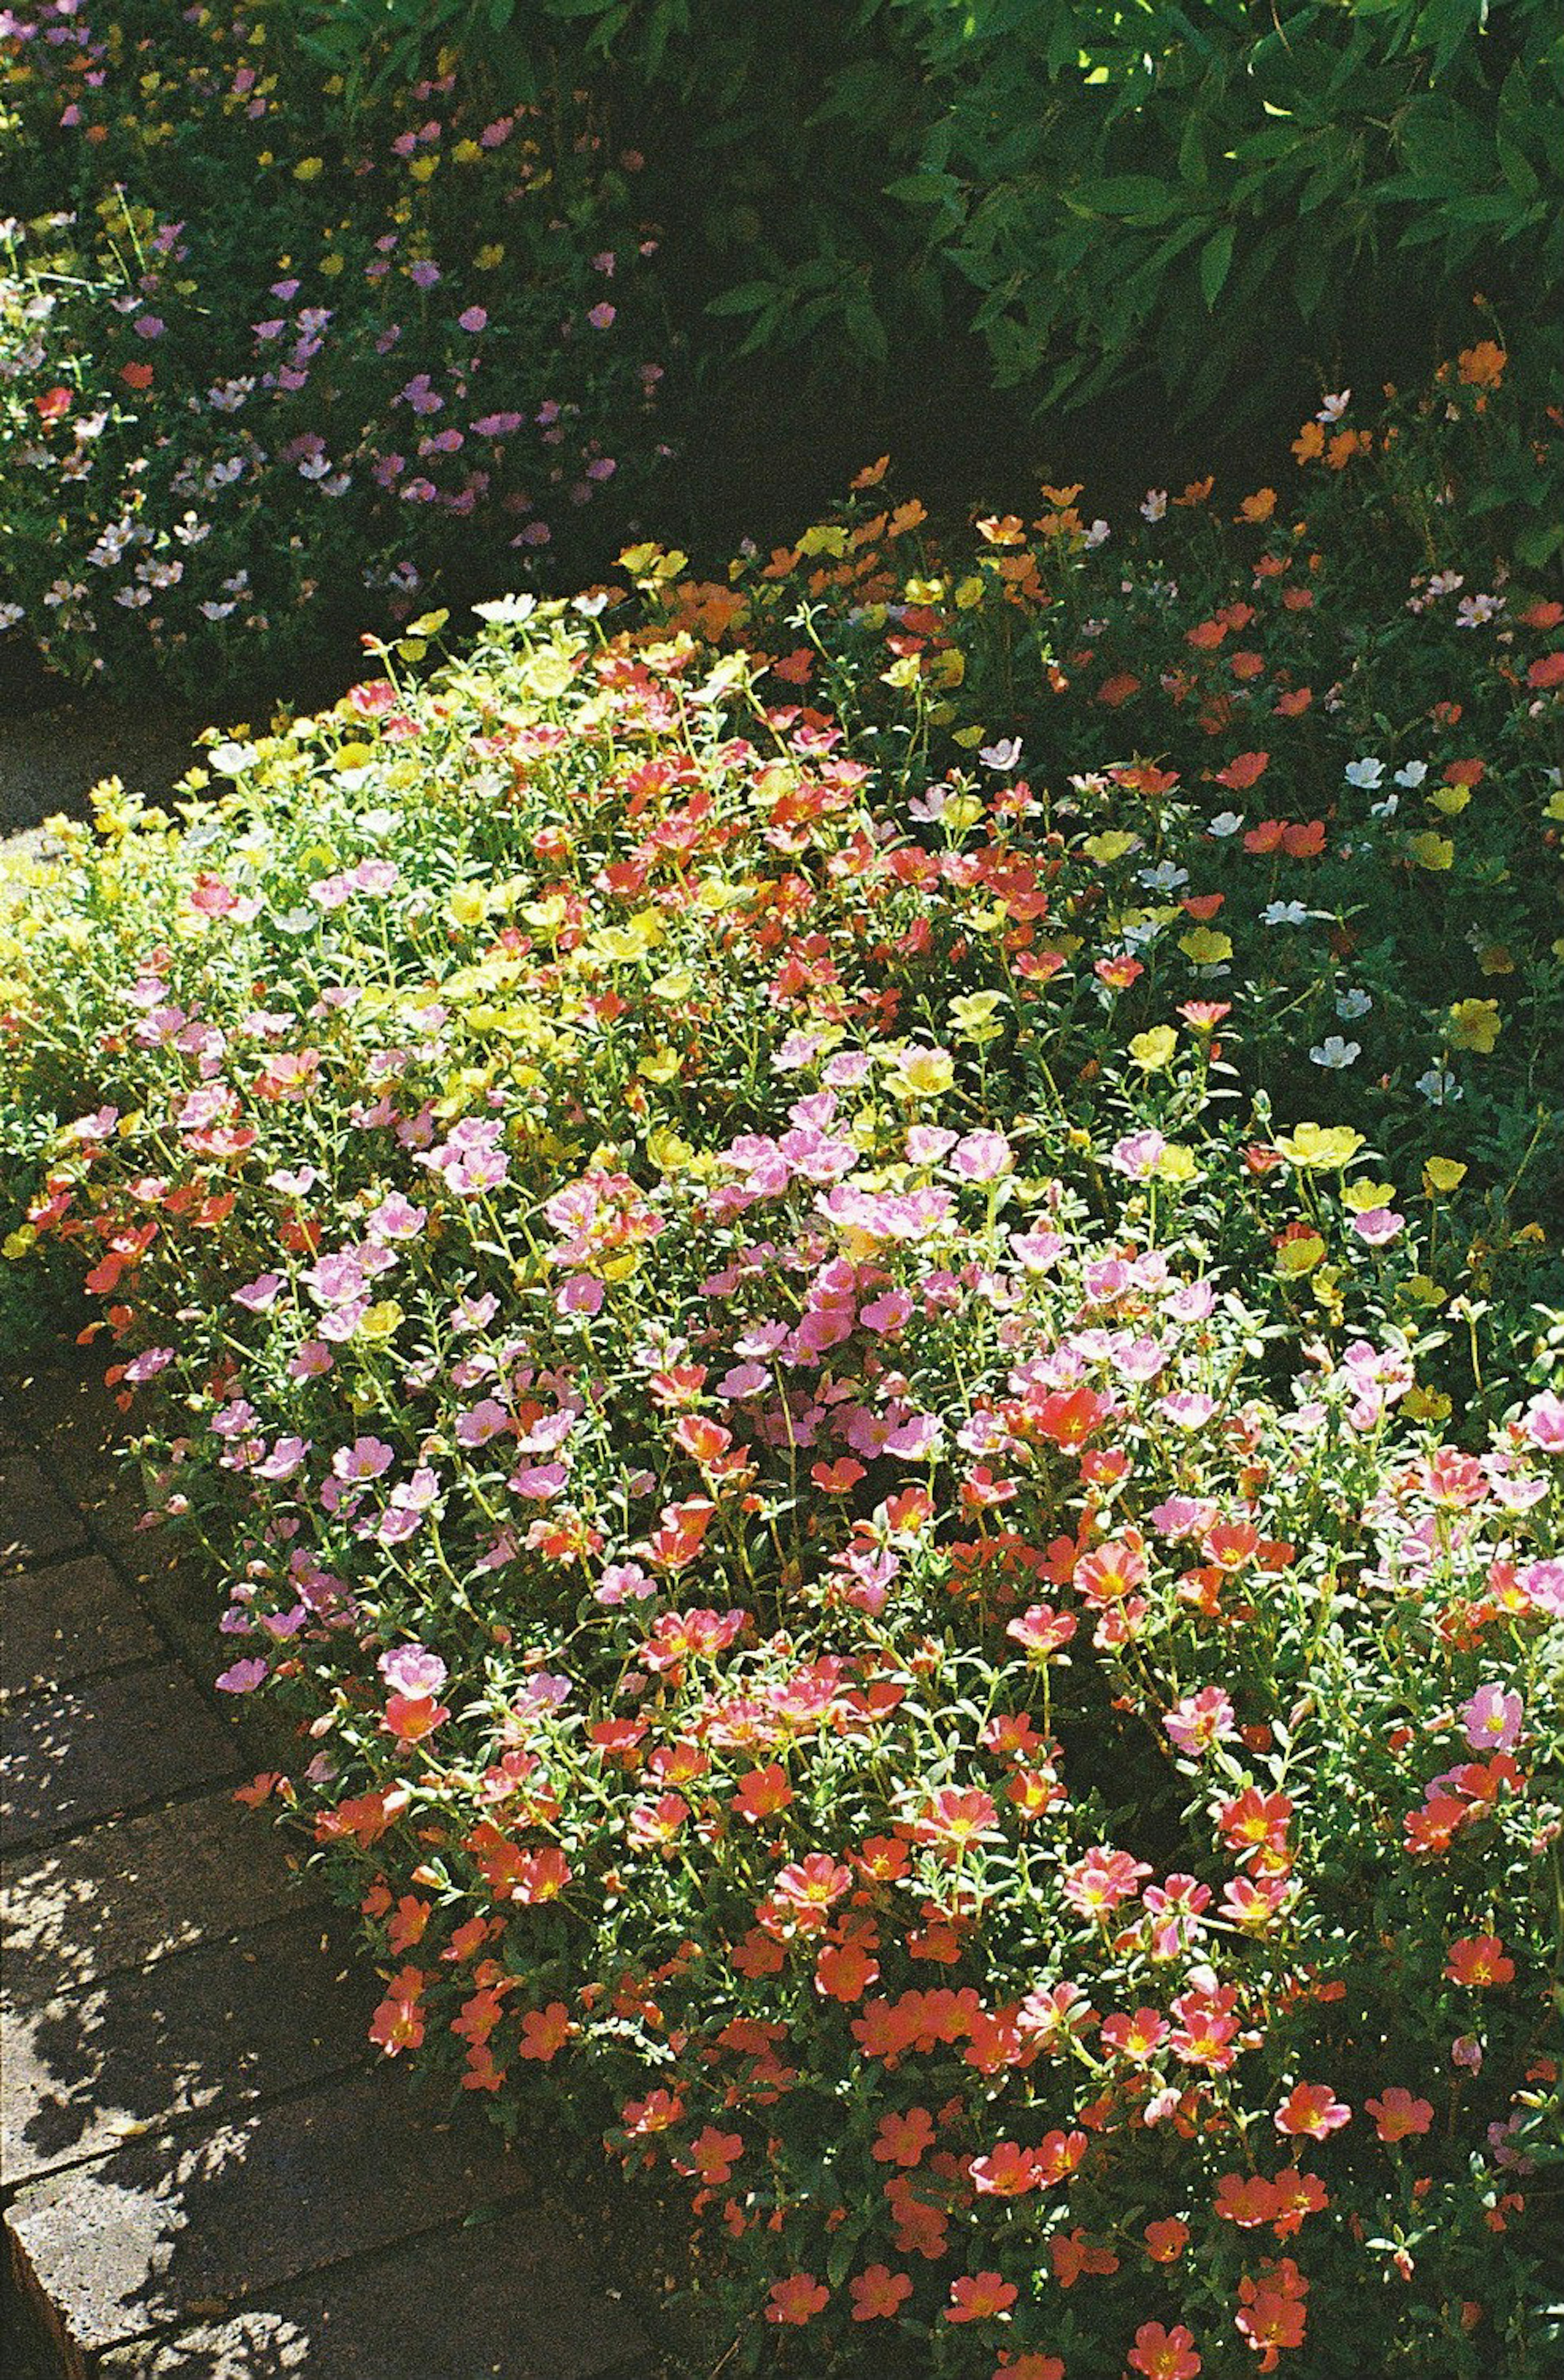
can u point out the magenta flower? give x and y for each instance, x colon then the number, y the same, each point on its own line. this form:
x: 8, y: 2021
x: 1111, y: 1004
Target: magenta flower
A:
x: 474, y: 318
x: 244, y: 1676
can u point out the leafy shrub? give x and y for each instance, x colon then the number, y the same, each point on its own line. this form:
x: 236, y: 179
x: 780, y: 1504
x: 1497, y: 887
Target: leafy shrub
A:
x: 1213, y: 194
x: 1216, y: 198
x: 279, y: 358
x: 894, y: 1587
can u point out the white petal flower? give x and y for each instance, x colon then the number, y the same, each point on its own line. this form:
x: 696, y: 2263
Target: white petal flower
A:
x: 1335, y: 1053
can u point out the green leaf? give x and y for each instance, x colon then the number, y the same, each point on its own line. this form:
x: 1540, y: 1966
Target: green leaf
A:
x: 1216, y: 258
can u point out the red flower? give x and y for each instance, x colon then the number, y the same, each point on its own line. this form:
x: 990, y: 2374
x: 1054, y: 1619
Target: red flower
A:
x: 1479, y: 1960
x: 797, y: 2300
x: 877, y: 2293
x: 980, y: 2297
x: 136, y: 375
x: 1164, y: 2354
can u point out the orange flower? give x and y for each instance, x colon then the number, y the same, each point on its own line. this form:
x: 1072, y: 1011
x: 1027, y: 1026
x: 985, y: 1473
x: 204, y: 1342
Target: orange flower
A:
x: 797, y: 2300
x: 1482, y: 366
x: 1310, y: 442
x: 1259, y: 507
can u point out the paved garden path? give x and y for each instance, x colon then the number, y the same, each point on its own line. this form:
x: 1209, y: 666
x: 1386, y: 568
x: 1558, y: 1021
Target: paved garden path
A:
x: 207, y: 2179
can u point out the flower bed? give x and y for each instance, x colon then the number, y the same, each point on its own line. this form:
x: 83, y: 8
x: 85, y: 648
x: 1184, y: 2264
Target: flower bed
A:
x: 282, y: 356
x: 914, y: 1535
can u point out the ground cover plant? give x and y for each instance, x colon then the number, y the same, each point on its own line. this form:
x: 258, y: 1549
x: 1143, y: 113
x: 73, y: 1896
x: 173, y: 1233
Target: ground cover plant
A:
x: 272, y: 358
x: 854, y: 1272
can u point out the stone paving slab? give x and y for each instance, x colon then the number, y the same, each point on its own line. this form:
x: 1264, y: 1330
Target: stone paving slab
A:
x: 131, y: 1892
x: 36, y: 1525
x: 105, y: 1747
x: 197, y: 2033
x: 510, y: 2299
x: 157, y: 2233
x: 62, y: 1625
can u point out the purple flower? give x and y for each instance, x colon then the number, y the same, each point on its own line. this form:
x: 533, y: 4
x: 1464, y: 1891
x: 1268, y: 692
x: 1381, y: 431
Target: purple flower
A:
x: 244, y: 1676
x: 474, y: 318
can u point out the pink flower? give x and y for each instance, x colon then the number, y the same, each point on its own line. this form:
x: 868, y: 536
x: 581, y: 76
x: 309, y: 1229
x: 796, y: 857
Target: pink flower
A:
x: 1201, y: 1721
x: 1492, y: 1720
x: 1543, y: 1422
x: 601, y: 316
x: 982, y: 1157
x: 474, y: 318
x: 413, y: 1671
x: 365, y: 1458
x: 1378, y: 1226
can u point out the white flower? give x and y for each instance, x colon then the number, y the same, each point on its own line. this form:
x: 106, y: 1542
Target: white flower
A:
x: 1284, y: 913
x: 1335, y: 407
x: 930, y: 804
x: 1440, y: 1089
x: 1153, y: 504
x: 1335, y: 1053
x: 1476, y: 610
x: 1165, y: 877
x: 1098, y: 534
x: 507, y: 611
x: 1412, y: 773
x: 1367, y: 775
x: 1353, y: 1005
x: 1387, y: 807
x: 1002, y: 754
x: 9, y: 615
x: 1446, y: 582
x: 1226, y: 822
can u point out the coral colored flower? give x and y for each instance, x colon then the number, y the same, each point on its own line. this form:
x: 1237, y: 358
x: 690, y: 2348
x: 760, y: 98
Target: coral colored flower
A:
x: 1167, y: 2238
x: 398, y: 2022
x: 797, y: 2300
x: 877, y: 2293
x: 1311, y: 2110
x: 1398, y: 2116
x: 1479, y: 1960
x: 981, y: 2297
x: 1161, y: 2354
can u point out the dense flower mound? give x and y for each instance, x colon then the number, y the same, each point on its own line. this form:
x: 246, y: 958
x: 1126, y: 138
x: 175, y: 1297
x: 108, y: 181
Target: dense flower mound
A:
x: 945, y: 1624
x: 270, y: 349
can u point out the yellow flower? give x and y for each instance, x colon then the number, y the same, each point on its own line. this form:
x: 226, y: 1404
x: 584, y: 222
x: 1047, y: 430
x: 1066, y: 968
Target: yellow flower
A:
x: 1154, y: 1049
x: 1450, y: 800
x: 381, y: 1321
x: 975, y: 1017
x: 1320, y: 1148
x: 826, y: 539
x: 1205, y: 946
x: 1475, y: 1024
x: 491, y: 254
x: 667, y: 1151
x: 1176, y: 1163
x: 309, y: 169
x: 922, y: 1072
x: 1443, y: 1173
x: 1110, y: 847
x: 1434, y: 851
x: 961, y: 813
x: 1364, y: 1196
x: 902, y: 674
x: 659, y: 1066
x: 968, y: 737
x: 466, y: 904
x: 968, y: 594
x: 1300, y: 1255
